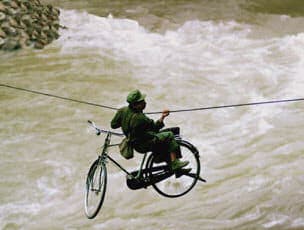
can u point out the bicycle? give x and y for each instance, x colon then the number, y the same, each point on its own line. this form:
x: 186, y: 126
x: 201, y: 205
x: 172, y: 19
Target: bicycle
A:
x: 156, y: 173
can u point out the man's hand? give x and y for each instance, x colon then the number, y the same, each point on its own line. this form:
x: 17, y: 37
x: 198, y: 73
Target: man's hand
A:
x: 165, y: 113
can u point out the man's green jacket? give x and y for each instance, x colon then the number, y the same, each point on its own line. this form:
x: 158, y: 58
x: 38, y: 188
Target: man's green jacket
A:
x: 140, y: 129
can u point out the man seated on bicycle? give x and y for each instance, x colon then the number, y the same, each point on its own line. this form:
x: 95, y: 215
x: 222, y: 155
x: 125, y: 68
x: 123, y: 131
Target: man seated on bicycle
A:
x: 144, y: 133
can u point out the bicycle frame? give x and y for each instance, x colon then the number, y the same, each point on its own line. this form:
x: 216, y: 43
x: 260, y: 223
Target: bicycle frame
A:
x: 104, y: 154
x: 107, y: 144
x: 150, y: 173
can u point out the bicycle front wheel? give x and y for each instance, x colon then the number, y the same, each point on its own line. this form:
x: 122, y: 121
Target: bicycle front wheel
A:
x: 175, y: 185
x: 96, y: 184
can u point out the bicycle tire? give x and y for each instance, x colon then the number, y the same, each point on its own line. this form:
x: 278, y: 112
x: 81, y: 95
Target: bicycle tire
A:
x: 169, y: 187
x: 97, y: 174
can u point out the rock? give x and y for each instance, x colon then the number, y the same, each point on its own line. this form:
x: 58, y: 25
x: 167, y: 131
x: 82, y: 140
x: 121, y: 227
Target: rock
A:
x: 45, y: 28
x: 23, y: 34
x: 1, y: 42
x: 24, y: 42
x: 23, y: 7
x: 56, y: 24
x: 9, y: 30
x: 14, y: 5
x: 34, y: 35
x: 27, y: 22
x: 37, y: 27
x: 18, y: 17
x: 38, y: 45
x: 13, y: 22
x: 53, y: 33
x: 43, y: 17
x: 56, y: 11
x: 2, y: 16
x: 6, y: 2
x: 43, y: 37
x: 27, y: 5
x: 11, y: 44
x: 29, y: 30
x: 36, y: 2
x: 2, y: 7
x: 11, y: 11
x: 22, y: 26
x: 2, y: 34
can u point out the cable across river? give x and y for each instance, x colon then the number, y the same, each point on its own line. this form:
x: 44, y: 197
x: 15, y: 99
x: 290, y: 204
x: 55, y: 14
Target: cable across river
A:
x: 157, y: 112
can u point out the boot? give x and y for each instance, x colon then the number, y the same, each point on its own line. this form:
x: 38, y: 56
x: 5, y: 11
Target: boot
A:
x: 177, y: 164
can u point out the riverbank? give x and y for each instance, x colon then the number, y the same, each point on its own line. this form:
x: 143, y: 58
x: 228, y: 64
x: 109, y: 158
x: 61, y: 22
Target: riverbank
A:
x: 27, y: 24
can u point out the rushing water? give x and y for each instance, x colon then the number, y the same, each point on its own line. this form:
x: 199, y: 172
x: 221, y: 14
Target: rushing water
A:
x: 182, y: 54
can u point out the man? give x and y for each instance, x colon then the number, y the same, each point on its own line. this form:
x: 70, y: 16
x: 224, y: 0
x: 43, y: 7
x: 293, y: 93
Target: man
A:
x: 143, y: 132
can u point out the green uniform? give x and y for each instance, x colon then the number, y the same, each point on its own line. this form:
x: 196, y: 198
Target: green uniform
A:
x: 143, y: 132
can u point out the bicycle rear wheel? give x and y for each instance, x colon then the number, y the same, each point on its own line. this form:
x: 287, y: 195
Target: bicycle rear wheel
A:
x: 175, y: 184
x: 96, y: 184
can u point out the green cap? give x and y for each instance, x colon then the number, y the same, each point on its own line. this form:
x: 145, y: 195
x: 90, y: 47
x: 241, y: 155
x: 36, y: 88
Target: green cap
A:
x: 135, y: 96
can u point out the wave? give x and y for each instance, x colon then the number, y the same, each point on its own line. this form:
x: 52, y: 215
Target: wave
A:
x: 195, y: 50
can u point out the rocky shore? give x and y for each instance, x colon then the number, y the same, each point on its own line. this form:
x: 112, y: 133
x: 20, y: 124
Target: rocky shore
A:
x: 25, y: 23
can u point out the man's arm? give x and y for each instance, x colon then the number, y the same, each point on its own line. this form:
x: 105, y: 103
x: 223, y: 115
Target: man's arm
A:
x: 160, y: 122
x: 116, y: 121
x: 165, y: 114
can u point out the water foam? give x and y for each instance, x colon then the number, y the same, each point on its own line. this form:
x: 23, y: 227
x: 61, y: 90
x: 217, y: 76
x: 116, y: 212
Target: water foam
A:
x: 216, y: 53
x: 205, y: 63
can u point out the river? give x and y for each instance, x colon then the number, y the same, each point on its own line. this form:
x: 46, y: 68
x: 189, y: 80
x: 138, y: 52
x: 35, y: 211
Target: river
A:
x: 182, y: 54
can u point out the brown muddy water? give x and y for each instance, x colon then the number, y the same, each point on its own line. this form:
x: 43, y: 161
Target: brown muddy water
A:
x: 182, y: 54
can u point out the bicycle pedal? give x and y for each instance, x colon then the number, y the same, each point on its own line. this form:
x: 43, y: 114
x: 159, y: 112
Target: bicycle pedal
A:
x: 182, y: 172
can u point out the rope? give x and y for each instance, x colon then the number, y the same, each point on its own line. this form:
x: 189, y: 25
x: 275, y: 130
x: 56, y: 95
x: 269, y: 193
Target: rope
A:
x: 158, y: 112
x: 235, y: 105
x: 60, y: 97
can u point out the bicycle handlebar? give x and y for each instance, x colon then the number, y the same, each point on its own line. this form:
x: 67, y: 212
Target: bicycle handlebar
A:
x: 99, y: 131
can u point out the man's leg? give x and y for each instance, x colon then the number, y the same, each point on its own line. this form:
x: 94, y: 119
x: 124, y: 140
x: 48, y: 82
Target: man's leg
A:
x: 167, y: 139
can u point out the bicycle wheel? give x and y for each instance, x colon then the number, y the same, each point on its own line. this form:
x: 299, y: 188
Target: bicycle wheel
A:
x: 96, y: 184
x: 174, y: 185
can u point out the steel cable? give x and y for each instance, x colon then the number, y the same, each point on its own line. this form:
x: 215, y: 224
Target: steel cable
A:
x: 158, y: 112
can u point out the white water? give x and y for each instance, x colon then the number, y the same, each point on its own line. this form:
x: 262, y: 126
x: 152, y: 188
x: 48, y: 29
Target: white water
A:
x: 251, y: 156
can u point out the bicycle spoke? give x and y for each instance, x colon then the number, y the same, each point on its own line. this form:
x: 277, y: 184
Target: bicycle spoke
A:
x: 179, y: 183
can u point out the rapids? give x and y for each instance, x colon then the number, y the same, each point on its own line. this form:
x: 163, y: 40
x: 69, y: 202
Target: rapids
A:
x: 182, y: 54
